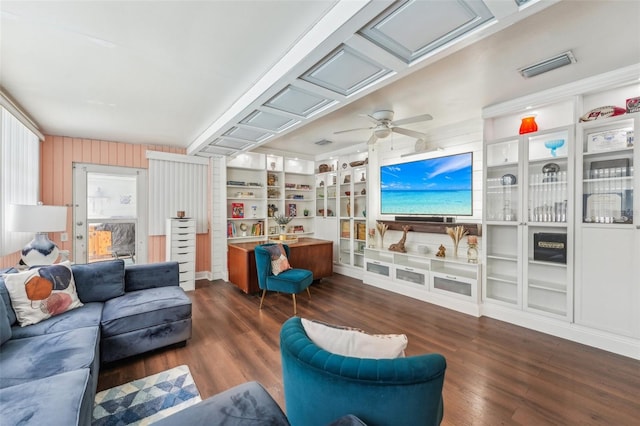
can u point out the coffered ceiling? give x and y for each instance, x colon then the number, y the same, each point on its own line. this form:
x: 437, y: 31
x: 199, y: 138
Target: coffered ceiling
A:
x: 219, y: 77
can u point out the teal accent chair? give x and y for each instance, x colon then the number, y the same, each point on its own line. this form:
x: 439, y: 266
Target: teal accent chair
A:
x: 291, y: 282
x: 320, y: 386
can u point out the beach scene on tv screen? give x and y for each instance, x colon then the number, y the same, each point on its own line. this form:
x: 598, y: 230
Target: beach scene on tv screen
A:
x: 435, y: 186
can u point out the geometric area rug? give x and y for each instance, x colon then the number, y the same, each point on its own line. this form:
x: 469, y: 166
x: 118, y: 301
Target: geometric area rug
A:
x: 146, y: 400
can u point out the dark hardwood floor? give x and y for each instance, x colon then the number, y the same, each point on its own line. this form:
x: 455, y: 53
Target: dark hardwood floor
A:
x: 497, y: 373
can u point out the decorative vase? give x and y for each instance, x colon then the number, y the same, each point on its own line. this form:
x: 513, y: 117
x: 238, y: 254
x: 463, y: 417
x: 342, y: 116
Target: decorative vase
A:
x: 528, y: 124
x: 472, y: 253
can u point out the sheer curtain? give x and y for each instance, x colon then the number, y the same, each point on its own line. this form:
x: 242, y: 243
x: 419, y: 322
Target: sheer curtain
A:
x: 19, y: 176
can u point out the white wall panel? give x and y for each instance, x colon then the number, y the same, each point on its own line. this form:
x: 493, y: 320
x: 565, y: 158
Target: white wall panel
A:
x: 177, y: 182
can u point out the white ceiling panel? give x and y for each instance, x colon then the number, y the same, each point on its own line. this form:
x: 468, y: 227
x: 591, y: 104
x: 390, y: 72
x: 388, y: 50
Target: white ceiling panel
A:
x: 298, y: 101
x: 268, y: 121
x: 345, y: 71
x: 415, y: 28
x: 254, y: 135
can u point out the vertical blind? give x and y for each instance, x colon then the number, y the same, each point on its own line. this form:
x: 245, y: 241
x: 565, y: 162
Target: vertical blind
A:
x: 177, y: 182
x: 19, y: 176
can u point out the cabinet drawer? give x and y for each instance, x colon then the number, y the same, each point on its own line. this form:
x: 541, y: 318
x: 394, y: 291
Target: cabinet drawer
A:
x: 379, y: 268
x: 453, y: 284
x: 183, y: 229
x: 187, y: 275
x: 183, y: 236
x: 183, y: 257
x: 182, y: 247
x: 411, y: 275
x: 183, y: 239
x: 186, y: 266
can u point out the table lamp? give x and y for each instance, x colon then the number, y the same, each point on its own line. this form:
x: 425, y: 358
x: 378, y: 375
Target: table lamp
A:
x: 39, y: 219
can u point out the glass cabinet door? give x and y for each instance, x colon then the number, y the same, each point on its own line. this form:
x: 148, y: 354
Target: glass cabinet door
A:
x: 503, y: 181
x: 608, y: 173
x: 547, y: 174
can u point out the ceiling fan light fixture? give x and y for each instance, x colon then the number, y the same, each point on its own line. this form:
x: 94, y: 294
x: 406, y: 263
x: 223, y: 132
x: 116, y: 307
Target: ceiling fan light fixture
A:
x: 548, y: 64
x: 382, y: 132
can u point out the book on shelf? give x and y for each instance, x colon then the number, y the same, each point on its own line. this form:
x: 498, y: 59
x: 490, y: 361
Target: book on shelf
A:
x: 237, y: 210
x: 231, y: 229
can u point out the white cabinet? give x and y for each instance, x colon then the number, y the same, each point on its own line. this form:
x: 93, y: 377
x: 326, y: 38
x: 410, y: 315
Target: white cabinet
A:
x: 608, y: 226
x: 181, y: 248
x: 592, y: 296
x: 259, y: 186
x: 352, y: 196
x: 450, y: 282
x: 299, y: 196
x: 528, y: 222
x: 246, y: 197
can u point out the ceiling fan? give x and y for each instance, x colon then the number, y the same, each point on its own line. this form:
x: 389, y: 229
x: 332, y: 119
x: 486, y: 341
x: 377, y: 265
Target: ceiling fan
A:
x: 384, y: 125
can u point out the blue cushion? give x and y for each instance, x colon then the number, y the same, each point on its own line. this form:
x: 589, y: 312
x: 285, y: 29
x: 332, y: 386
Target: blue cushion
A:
x: 88, y: 315
x: 99, y: 281
x: 5, y: 325
x: 290, y: 281
x: 24, y: 360
x: 60, y: 400
x: 247, y: 404
x: 136, y: 342
x: 145, y: 308
x: 151, y: 275
x: 4, y: 294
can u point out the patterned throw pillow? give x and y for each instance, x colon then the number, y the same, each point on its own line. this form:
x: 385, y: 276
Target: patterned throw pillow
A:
x: 40, y: 293
x: 354, y: 342
x: 279, y: 261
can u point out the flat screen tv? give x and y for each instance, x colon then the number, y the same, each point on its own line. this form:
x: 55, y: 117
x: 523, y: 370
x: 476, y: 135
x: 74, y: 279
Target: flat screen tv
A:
x: 439, y: 186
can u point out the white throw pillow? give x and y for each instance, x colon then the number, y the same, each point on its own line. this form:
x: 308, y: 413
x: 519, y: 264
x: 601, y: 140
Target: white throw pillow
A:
x: 355, y: 343
x: 40, y: 293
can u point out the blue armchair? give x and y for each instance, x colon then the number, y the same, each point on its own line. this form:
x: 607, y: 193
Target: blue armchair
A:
x: 292, y: 281
x: 320, y: 386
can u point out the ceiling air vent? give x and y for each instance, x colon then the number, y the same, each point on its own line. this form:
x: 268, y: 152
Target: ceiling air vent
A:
x: 549, y: 64
x: 323, y: 142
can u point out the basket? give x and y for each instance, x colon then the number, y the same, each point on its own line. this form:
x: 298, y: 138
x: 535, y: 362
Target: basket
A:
x: 322, y: 168
x: 356, y: 163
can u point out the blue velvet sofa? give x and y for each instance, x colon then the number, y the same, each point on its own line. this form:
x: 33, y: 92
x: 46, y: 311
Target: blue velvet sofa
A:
x: 320, y: 386
x: 49, y: 370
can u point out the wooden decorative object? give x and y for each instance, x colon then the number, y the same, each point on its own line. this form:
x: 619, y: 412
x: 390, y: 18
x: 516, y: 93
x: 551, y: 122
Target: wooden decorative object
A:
x: 399, y: 246
x: 441, y: 251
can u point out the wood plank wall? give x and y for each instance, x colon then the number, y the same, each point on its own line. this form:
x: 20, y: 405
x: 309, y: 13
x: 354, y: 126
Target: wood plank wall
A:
x: 58, y: 153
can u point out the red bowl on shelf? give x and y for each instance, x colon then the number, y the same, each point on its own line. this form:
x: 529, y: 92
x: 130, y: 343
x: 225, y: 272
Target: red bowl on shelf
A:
x: 347, y: 193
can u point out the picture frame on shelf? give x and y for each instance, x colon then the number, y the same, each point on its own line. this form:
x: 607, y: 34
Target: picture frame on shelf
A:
x: 292, y: 210
x: 608, y: 140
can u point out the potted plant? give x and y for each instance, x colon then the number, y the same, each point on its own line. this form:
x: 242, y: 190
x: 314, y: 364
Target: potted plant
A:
x: 282, y: 221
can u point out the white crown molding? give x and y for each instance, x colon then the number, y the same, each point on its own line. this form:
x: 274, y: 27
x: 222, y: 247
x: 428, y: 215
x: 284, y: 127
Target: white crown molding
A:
x: 20, y: 115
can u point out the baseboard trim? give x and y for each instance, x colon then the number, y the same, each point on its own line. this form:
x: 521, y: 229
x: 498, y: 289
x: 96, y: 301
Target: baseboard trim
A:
x: 621, y: 345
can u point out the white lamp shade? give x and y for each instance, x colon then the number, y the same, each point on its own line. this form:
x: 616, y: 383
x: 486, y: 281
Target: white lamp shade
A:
x: 29, y: 218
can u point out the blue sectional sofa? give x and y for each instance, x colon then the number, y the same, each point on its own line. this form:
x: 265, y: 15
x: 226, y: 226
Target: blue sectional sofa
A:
x: 49, y: 370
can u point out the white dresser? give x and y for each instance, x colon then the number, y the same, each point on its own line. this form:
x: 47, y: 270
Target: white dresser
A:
x: 181, y: 248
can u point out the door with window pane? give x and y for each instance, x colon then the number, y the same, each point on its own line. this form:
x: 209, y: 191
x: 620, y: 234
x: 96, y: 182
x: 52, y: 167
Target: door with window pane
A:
x: 109, y: 213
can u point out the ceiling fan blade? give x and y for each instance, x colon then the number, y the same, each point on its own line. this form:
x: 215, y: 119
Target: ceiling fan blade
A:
x: 370, y: 118
x: 372, y: 139
x: 353, y: 130
x: 416, y: 119
x: 408, y: 132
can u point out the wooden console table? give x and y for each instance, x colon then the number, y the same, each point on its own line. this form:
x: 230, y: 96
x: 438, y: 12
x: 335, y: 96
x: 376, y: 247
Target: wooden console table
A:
x: 308, y: 253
